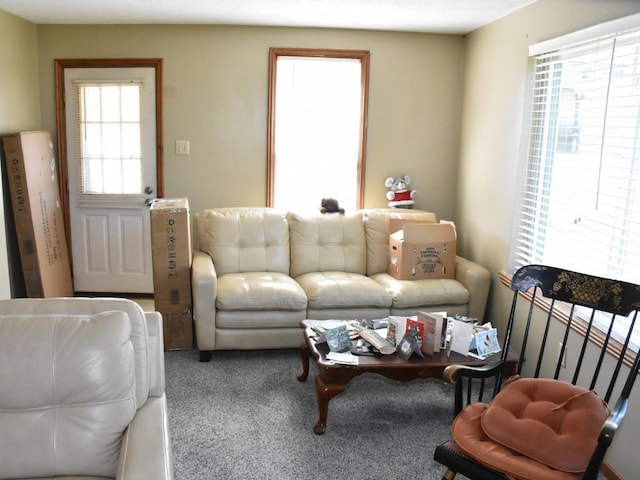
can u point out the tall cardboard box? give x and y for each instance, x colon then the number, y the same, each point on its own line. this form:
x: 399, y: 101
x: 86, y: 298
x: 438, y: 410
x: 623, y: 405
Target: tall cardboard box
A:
x: 171, y: 246
x: 422, y: 250
x: 38, y: 216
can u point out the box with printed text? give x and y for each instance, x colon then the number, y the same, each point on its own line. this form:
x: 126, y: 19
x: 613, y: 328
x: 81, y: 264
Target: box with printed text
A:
x: 171, y: 245
x: 39, y: 219
x: 422, y: 250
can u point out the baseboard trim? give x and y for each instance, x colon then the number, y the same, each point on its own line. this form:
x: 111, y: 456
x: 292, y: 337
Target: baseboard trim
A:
x: 609, y: 472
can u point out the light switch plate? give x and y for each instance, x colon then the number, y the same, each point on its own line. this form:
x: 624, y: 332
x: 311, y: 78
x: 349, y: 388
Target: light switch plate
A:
x: 182, y: 147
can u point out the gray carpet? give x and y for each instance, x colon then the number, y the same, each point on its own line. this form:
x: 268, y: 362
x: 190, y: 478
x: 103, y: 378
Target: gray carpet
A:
x: 245, y: 416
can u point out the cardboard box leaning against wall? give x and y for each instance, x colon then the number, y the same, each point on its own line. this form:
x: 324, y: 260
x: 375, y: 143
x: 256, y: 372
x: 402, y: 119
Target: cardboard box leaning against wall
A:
x: 422, y: 250
x: 39, y: 220
x: 171, y: 246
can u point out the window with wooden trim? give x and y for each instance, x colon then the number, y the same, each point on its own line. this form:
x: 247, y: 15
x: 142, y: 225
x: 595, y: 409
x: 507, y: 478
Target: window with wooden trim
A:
x: 317, y: 127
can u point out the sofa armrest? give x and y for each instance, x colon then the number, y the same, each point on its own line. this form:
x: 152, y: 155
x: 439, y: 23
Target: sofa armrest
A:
x: 204, y: 284
x: 476, y: 279
x: 156, y: 353
x: 146, y: 448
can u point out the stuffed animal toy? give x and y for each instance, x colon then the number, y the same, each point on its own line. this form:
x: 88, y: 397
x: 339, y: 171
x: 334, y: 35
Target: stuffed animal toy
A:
x: 399, y: 195
x: 330, y: 205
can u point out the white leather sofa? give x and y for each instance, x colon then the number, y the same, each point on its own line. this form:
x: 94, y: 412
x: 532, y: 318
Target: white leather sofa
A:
x: 258, y: 272
x: 82, y: 391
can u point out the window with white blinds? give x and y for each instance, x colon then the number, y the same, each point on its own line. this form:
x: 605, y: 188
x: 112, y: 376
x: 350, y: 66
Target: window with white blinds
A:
x: 580, y: 195
x: 580, y: 205
x: 109, y: 139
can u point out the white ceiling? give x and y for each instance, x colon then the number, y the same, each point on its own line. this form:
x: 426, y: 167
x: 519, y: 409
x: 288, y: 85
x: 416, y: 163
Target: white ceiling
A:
x: 435, y: 16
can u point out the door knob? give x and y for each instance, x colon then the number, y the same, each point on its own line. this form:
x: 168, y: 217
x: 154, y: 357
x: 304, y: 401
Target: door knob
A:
x: 148, y: 190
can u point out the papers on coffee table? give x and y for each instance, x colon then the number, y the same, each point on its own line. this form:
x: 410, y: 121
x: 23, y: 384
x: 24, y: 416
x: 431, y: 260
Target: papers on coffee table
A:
x: 343, y: 358
x: 461, y: 333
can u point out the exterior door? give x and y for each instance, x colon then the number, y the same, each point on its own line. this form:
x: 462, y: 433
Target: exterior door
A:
x: 110, y: 116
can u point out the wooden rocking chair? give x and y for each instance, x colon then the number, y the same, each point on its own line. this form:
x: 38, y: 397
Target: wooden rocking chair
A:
x: 552, y: 425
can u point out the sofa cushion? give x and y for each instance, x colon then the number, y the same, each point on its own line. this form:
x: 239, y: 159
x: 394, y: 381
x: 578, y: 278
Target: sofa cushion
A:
x: 342, y: 290
x: 265, y: 326
x: 322, y: 243
x: 245, y: 239
x: 67, y: 393
x: 419, y: 293
x: 259, y: 291
x: 564, y: 419
x: 376, y: 227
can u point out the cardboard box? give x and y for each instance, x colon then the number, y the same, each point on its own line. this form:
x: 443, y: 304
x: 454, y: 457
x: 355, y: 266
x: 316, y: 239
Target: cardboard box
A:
x: 171, y: 246
x: 38, y: 216
x: 422, y: 250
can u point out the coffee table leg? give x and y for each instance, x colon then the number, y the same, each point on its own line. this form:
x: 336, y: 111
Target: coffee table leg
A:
x: 325, y: 393
x: 305, y: 353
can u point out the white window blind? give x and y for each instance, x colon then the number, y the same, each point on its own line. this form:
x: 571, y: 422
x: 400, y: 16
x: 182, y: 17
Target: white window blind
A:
x: 580, y: 205
x: 580, y: 195
x: 109, y: 139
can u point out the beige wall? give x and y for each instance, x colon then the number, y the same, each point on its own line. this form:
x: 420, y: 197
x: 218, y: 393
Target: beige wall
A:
x: 215, y: 95
x: 495, y: 77
x: 19, y: 101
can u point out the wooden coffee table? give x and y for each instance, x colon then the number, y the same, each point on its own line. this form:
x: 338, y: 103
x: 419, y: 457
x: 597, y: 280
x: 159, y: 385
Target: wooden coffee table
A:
x: 333, y: 378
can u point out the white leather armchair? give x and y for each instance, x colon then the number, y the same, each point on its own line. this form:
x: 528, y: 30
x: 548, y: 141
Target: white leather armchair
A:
x: 82, y: 391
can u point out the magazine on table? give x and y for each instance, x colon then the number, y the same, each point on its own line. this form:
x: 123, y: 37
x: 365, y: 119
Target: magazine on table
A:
x: 408, y: 346
x: 345, y: 358
x: 415, y: 327
x: 484, y: 341
x: 377, y: 341
x: 472, y: 339
x: 320, y: 328
x: 332, y: 332
x: 338, y: 338
x: 434, y: 324
x: 461, y: 334
x: 396, y: 329
x: 429, y: 329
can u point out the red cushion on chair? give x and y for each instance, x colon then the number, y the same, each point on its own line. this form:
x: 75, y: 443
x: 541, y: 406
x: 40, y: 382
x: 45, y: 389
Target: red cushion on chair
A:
x: 551, y: 421
x: 473, y: 442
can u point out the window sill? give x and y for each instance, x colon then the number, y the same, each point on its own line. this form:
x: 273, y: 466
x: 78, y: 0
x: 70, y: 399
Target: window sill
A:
x: 578, y: 325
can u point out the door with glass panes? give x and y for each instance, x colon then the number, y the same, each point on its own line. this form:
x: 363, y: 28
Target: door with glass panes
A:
x: 111, y: 164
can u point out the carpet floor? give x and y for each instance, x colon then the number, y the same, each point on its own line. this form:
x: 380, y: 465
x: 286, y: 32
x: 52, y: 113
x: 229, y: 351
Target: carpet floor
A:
x: 245, y: 416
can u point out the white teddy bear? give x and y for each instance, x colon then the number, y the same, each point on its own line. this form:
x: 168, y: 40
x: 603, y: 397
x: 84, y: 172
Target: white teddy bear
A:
x: 399, y: 195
